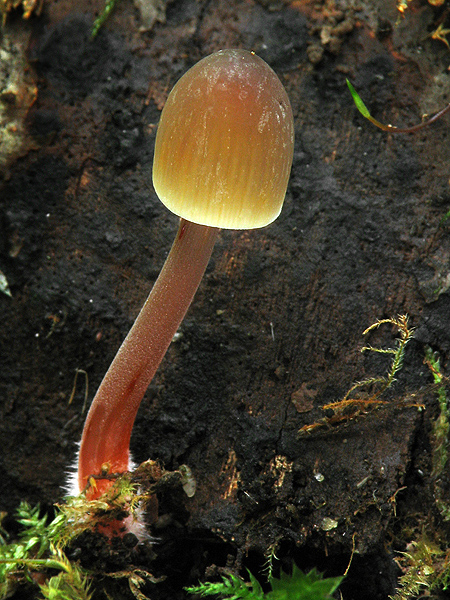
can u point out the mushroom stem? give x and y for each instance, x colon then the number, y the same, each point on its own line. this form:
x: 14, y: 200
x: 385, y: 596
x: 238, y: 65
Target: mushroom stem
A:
x: 106, y: 435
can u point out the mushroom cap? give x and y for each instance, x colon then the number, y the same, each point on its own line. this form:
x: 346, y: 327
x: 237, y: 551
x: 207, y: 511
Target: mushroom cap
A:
x: 225, y: 141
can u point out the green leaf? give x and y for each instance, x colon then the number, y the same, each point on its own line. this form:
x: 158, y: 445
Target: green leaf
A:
x: 303, y: 586
x: 366, y: 114
x: 358, y: 102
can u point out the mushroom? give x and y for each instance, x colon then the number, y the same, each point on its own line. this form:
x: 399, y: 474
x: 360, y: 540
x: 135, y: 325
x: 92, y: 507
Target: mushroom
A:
x: 223, y: 155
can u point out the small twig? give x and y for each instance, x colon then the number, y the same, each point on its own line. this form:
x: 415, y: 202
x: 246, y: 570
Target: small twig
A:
x: 86, y: 389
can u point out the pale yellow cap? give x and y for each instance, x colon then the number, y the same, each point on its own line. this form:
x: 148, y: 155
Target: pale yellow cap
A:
x: 224, y: 145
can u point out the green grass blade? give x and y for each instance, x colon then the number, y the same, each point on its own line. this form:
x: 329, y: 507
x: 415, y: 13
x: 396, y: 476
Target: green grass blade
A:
x: 358, y: 102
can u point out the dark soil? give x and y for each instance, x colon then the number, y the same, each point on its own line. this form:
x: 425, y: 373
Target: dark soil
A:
x: 275, y: 330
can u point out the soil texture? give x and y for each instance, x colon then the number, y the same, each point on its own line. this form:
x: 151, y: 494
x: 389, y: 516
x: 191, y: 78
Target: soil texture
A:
x: 275, y: 330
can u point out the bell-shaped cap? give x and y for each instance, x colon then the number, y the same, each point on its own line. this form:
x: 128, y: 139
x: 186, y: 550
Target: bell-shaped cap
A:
x: 225, y: 141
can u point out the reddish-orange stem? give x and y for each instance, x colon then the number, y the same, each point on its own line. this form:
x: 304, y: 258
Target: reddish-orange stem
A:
x: 106, y: 436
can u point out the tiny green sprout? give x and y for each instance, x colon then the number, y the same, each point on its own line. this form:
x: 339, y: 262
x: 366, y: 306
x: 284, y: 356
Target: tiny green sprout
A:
x: 103, y: 16
x: 360, y: 104
x: 391, y: 128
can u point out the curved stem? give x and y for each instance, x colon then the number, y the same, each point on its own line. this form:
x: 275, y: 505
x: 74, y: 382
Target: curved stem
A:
x: 107, y: 431
x: 413, y: 128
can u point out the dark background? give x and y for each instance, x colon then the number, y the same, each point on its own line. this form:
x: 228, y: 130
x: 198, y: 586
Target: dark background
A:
x: 275, y: 330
